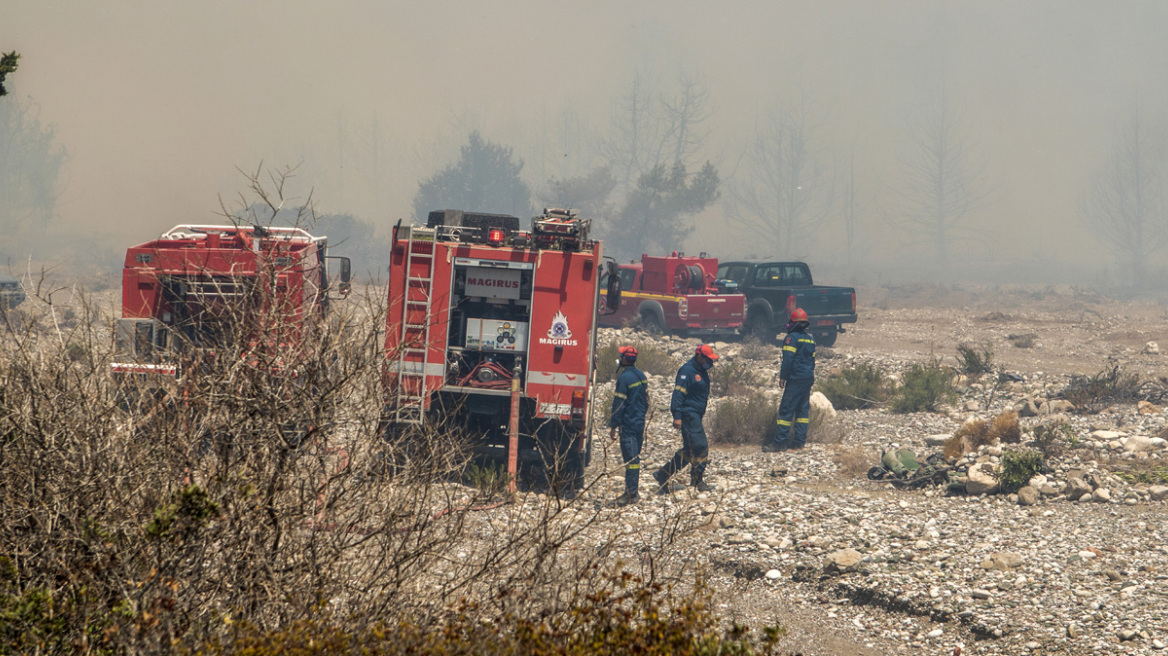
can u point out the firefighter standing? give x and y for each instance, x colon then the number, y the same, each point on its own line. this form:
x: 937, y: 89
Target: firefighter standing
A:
x: 630, y: 403
x: 796, y: 376
x: 691, y: 391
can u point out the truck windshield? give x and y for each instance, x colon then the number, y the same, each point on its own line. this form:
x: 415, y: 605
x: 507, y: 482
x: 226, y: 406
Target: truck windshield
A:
x: 735, y: 272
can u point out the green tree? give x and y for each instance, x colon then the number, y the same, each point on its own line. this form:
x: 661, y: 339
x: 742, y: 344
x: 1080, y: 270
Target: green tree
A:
x: 657, y: 214
x: 485, y: 178
x: 588, y: 193
x: 8, y: 63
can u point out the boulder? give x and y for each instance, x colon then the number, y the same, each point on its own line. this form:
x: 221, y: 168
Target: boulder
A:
x: 1152, y: 348
x: 1057, y: 406
x: 822, y: 404
x: 1077, y: 487
x: 982, y: 479
x: 1147, y: 408
x: 1158, y: 492
x: 1026, y: 408
x: 1027, y: 496
x: 842, y: 561
x: 936, y: 441
x: 1137, y: 444
x: 1107, y: 435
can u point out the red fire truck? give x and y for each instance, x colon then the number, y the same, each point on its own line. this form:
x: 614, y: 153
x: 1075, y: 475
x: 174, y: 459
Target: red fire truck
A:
x: 188, y: 292
x: 491, y: 332
x: 680, y: 294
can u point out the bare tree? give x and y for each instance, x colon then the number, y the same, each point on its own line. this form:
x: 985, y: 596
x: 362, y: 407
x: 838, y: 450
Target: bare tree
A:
x: 784, y: 193
x: 31, y: 162
x: 1125, y: 204
x: 651, y: 127
x: 941, y: 181
x: 850, y: 210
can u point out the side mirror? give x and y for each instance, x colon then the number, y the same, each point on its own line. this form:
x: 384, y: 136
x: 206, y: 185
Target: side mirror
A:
x: 612, y: 297
x: 345, y: 275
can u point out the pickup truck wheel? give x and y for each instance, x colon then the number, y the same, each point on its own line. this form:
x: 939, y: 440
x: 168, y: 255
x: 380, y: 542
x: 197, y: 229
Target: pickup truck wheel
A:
x: 826, y: 336
x: 651, y: 324
x: 756, y: 327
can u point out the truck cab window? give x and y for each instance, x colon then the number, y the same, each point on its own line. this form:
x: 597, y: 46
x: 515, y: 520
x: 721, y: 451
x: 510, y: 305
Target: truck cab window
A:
x: 628, y: 276
x: 795, y: 274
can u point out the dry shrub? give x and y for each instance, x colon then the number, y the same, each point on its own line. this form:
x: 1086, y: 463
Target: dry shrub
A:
x: 975, y: 361
x: 651, y: 359
x: 861, y: 386
x: 852, y: 461
x: 754, y: 349
x: 1005, y: 428
x: 953, y: 448
x: 1091, y: 394
x: 743, y: 420
x: 1026, y: 340
x: 975, y: 433
x: 734, y: 378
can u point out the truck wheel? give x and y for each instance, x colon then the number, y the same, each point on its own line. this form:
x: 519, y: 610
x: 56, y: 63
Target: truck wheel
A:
x: 826, y: 336
x: 757, y: 327
x: 651, y: 323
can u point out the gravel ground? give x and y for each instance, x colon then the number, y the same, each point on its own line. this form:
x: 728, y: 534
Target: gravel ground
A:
x: 931, y: 572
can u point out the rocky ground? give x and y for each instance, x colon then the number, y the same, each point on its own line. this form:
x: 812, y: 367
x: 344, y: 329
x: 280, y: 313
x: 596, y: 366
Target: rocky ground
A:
x: 853, y: 566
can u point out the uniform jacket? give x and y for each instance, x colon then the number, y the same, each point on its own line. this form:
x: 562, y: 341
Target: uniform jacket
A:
x: 798, y: 357
x: 630, y: 402
x: 691, y: 390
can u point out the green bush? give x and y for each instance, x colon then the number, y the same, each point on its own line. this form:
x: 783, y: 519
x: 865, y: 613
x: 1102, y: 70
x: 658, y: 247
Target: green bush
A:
x: 1017, y: 468
x: 925, y: 387
x: 1094, y: 393
x: 743, y: 420
x: 651, y: 359
x: 861, y: 386
x: 974, y: 361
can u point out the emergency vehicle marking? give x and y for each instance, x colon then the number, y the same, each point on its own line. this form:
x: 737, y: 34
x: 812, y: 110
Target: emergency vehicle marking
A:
x: 556, y: 378
x: 559, y: 334
x: 493, y: 283
x: 410, y: 367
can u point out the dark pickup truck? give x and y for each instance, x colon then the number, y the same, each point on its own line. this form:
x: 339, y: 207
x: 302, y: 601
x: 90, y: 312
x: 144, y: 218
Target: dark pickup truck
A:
x: 774, y: 289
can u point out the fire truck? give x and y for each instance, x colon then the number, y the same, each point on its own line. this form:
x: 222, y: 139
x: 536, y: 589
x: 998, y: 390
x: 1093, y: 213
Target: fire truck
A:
x: 491, y: 335
x: 198, y: 289
x: 678, y: 294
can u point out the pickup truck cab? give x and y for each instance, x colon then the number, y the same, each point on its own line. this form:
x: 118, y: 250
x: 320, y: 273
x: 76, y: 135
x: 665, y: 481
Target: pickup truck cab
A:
x: 677, y: 294
x: 774, y: 289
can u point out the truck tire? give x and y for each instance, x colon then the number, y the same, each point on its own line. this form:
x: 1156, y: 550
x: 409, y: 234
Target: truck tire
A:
x: 651, y: 323
x: 826, y: 336
x: 759, y: 328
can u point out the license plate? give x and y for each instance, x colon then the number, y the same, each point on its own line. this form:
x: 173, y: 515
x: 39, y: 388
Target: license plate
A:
x: 825, y: 322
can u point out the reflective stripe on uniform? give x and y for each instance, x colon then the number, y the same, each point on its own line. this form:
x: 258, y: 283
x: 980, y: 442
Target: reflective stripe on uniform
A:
x: 698, y: 460
x: 783, y: 422
x: 620, y: 396
x: 803, y: 420
x: 679, y: 388
x: 637, y: 384
x: 790, y: 348
x: 806, y: 341
x: 632, y: 466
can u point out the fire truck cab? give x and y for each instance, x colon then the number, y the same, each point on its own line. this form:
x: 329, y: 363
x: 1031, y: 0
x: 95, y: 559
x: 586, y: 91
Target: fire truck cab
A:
x: 491, y: 334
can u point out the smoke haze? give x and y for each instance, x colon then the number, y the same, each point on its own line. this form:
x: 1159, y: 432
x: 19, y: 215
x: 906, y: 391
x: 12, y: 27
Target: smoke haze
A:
x: 158, y: 103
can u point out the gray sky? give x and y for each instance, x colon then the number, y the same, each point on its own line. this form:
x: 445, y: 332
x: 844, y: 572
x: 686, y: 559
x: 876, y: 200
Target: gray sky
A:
x: 159, y: 101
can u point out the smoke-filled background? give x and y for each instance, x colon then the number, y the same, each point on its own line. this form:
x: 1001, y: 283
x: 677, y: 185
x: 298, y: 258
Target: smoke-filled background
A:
x: 987, y: 141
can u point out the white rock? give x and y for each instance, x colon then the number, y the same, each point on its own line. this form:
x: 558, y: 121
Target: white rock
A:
x: 1137, y: 444
x: 773, y: 574
x: 821, y: 403
x: 1152, y: 348
x: 935, y: 633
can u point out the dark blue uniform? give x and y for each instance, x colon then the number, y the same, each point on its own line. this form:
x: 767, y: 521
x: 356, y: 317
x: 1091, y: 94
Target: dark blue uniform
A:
x: 630, y: 403
x: 798, y: 370
x: 691, y: 391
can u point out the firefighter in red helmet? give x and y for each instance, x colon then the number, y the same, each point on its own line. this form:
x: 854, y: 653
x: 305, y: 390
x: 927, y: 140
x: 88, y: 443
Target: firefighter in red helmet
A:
x: 691, y: 391
x: 796, y: 376
x: 630, y: 403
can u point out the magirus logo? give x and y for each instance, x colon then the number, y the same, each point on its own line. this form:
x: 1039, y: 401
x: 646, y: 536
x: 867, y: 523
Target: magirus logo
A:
x: 559, y: 334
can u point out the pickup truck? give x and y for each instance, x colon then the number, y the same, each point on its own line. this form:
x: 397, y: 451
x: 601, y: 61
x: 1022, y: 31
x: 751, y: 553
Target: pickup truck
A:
x: 774, y: 289
x: 677, y: 294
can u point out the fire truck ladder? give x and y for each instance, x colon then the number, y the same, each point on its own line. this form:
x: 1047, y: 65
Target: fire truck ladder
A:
x: 413, y: 358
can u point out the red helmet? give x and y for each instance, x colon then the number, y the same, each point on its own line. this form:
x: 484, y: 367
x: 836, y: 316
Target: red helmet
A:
x: 628, y: 352
x: 798, y: 315
x: 706, y: 351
